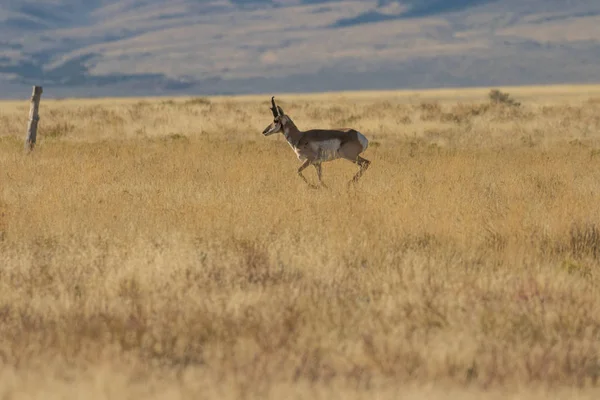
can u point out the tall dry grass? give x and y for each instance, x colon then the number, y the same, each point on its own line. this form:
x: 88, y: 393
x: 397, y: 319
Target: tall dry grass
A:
x: 164, y: 248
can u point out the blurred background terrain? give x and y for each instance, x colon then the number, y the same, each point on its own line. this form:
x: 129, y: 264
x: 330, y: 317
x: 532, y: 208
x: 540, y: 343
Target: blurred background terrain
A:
x: 148, y: 47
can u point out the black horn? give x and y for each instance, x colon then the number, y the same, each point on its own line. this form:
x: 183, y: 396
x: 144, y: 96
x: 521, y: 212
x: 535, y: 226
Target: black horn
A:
x: 274, y: 108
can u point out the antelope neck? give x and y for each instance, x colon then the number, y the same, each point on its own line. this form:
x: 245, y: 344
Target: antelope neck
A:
x: 291, y: 133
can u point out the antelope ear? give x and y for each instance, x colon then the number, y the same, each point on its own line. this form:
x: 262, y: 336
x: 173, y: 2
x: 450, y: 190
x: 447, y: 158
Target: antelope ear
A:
x: 280, y: 110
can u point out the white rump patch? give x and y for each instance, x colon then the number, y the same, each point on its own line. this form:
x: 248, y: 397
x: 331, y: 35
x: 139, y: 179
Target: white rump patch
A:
x: 364, y: 142
x: 326, y: 149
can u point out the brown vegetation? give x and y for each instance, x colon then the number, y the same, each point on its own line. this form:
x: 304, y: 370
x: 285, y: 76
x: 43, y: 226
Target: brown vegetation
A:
x: 165, y: 248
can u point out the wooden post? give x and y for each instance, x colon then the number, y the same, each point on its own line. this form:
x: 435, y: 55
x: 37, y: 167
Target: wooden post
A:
x: 34, y: 117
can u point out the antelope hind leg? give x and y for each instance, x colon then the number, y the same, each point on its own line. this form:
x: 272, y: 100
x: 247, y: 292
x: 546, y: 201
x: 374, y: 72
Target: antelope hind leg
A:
x: 363, y: 163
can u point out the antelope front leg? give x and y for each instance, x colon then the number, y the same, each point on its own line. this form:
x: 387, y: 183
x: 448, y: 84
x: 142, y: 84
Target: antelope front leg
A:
x: 302, y: 168
x: 319, y: 174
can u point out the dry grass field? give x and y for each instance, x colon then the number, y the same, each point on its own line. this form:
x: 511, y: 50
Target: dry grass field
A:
x: 162, y: 248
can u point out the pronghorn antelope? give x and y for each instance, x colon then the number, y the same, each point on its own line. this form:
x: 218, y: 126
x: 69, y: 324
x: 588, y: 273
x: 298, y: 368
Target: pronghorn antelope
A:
x: 319, y: 145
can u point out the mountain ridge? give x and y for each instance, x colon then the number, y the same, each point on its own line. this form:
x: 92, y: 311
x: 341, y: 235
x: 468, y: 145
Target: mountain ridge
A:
x: 140, y: 47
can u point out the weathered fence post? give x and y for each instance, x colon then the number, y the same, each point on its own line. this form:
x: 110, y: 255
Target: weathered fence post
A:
x: 34, y: 117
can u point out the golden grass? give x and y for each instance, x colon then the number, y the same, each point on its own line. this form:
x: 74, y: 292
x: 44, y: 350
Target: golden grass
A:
x: 164, y: 248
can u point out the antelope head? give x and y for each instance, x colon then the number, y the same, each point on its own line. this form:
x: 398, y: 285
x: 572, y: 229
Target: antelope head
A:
x: 279, y: 119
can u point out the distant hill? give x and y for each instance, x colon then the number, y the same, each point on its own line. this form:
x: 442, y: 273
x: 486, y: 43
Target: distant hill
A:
x: 150, y: 47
